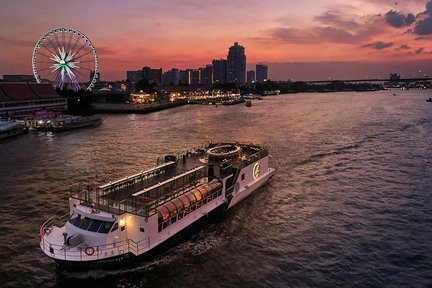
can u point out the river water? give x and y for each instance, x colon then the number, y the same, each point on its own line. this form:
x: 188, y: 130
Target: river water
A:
x: 349, y: 205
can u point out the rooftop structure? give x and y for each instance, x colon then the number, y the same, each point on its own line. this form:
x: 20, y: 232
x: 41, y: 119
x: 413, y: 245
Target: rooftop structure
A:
x: 18, y: 99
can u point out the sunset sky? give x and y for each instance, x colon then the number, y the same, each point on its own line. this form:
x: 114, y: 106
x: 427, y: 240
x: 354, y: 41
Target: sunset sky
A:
x: 301, y: 40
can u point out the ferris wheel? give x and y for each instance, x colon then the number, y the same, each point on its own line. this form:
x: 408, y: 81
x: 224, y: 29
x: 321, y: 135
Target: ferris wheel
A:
x: 66, y: 58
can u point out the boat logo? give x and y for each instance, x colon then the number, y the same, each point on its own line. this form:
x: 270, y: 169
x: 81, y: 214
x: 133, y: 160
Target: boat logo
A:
x: 256, y: 171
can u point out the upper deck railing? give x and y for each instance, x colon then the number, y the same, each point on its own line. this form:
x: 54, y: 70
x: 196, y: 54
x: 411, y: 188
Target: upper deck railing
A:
x: 141, y: 202
x: 141, y: 177
x: 254, y: 157
x: 144, y: 201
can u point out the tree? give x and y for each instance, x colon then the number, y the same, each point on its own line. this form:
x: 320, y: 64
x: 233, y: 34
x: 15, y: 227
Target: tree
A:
x: 78, y: 102
x: 145, y: 86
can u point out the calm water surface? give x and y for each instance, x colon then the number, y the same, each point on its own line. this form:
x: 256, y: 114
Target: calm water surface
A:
x: 349, y: 206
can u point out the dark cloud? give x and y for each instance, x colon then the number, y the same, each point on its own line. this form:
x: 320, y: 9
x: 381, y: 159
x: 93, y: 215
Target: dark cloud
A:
x: 379, y: 45
x: 337, y: 19
x: 336, y: 35
x: 313, y: 35
x: 335, y: 28
x: 429, y: 8
x: 424, y: 25
x: 293, y: 34
x: 398, y: 19
x: 405, y: 47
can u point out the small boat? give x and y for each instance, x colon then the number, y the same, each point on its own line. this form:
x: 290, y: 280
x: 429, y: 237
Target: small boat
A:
x: 116, y: 224
x: 429, y: 99
x: 38, y: 118
x: 248, y: 103
x: 68, y: 122
x: 11, y: 128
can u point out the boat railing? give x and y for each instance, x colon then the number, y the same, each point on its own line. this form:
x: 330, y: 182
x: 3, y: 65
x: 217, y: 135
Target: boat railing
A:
x: 165, y: 189
x: 182, y: 156
x: 85, y: 252
x: 139, y: 178
x: 254, y: 157
x: 92, y: 199
x: 51, y: 222
x: 143, y: 202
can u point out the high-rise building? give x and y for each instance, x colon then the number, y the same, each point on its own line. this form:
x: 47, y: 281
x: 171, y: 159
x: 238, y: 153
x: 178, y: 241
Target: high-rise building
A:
x: 207, y: 75
x: 219, y: 71
x: 195, y: 77
x: 184, y: 77
x: 171, y: 77
x: 250, y: 75
x: 152, y: 75
x: 261, y: 73
x: 236, y: 64
x: 134, y: 76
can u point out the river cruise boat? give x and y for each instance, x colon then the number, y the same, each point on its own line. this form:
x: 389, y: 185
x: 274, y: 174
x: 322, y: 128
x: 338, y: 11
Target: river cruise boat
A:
x: 136, y: 217
x: 67, y: 122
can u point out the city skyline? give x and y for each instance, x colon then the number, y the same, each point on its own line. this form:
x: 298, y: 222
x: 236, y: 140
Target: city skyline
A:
x: 311, y: 40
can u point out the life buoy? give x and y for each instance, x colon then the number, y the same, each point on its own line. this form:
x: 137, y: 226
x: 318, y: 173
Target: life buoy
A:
x: 89, y: 188
x: 89, y: 251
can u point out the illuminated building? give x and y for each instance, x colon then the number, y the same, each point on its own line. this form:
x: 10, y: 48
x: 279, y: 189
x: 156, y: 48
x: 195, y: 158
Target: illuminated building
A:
x: 219, y: 71
x: 142, y: 97
x: 195, y: 77
x: 207, y: 75
x: 184, y: 77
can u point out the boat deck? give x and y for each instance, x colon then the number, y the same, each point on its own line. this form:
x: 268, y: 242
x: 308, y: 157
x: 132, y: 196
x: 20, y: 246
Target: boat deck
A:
x: 190, y: 163
x: 141, y: 193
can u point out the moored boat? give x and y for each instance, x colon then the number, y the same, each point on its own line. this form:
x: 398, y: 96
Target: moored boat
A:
x: 134, y: 218
x: 68, y: 122
x: 11, y: 128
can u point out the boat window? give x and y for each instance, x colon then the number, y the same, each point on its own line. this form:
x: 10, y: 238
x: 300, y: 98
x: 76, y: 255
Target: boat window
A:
x: 89, y: 224
x: 115, y: 227
x: 94, y: 226
x: 74, y: 217
x: 105, y: 227
x: 85, y: 223
x: 242, y: 176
